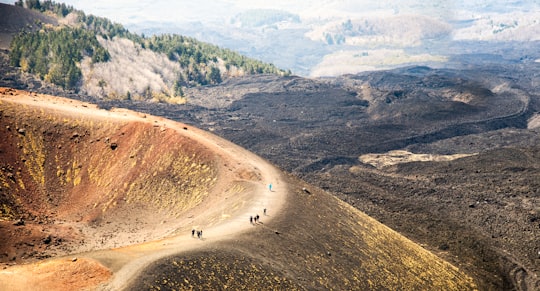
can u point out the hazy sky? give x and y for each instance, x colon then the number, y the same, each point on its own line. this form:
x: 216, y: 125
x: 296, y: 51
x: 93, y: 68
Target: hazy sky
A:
x: 127, y: 11
x: 419, y: 26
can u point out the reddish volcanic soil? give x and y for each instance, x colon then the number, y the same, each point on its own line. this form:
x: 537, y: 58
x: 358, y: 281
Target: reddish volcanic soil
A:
x: 106, y: 154
x: 107, y: 200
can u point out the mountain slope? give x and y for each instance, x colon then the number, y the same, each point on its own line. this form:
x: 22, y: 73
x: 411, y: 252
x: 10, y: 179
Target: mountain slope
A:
x: 323, y: 243
x: 478, y: 212
x: 149, y: 181
x: 13, y: 19
x: 53, y: 52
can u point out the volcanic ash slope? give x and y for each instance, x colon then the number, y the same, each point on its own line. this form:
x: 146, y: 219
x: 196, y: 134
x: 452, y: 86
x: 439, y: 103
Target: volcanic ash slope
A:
x: 126, y: 189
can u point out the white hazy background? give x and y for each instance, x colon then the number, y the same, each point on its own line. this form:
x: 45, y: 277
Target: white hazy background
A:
x: 315, y: 42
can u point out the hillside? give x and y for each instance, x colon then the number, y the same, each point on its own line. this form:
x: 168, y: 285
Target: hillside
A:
x: 320, y: 129
x: 85, y: 53
x: 81, y: 167
x: 13, y: 19
x: 479, y: 211
x: 118, y: 192
x: 447, y: 157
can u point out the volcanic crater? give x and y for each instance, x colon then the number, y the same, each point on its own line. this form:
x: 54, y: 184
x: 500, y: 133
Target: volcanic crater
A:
x: 91, y: 176
x: 107, y: 200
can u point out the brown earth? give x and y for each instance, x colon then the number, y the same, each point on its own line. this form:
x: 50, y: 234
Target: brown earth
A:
x: 96, y: 199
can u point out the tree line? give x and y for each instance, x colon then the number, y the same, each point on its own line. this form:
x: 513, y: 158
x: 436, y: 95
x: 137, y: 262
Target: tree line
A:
x: 200, y: 59
x: 60, y: 9
x: 54, y: 53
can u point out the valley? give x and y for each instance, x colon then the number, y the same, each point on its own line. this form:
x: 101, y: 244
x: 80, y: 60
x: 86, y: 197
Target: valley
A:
x: 479, y: 211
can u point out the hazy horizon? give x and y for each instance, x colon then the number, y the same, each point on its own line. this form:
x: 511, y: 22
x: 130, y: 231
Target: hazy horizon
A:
x: 331, y: 37
x: 125, y: 12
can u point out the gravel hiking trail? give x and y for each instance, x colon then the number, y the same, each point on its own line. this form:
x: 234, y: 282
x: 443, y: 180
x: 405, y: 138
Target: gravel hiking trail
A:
x: 216, y: 222
x: 222, y: 215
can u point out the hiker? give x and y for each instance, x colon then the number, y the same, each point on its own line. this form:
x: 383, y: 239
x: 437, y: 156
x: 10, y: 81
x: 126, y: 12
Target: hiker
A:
x: 200, y: 234
x: 270, y: 187
x: 264, y: 212
x: 257, y: 218
x: 251, y: 219
x: 193, y: 233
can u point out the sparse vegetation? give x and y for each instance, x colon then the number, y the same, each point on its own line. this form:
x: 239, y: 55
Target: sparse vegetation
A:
x: 60, y: 9
x: 209, y: 271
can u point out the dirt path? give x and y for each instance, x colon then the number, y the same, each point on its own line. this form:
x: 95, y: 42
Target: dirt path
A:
x: 216, y: 223
x: 222, y: 215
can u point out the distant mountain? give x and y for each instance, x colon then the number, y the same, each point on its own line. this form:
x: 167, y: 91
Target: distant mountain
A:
x: 91, y: 54
x: 330, y: 38
x: 264, y: 18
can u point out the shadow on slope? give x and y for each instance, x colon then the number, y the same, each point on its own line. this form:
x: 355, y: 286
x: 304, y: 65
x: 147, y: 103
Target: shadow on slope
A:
x: 14, y: 18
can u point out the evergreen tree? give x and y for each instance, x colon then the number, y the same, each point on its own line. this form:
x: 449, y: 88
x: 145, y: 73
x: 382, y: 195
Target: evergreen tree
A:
x: 215, y: 76
x: 54, y: 54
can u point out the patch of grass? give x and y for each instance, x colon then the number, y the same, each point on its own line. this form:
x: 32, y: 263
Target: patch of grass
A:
x: 34, y: 154
x: 215, y: 271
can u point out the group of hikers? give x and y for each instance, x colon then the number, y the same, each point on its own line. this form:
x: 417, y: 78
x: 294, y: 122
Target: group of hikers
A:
x: 199, y: 233
x: 252, y: 220
x: 255, y: 219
